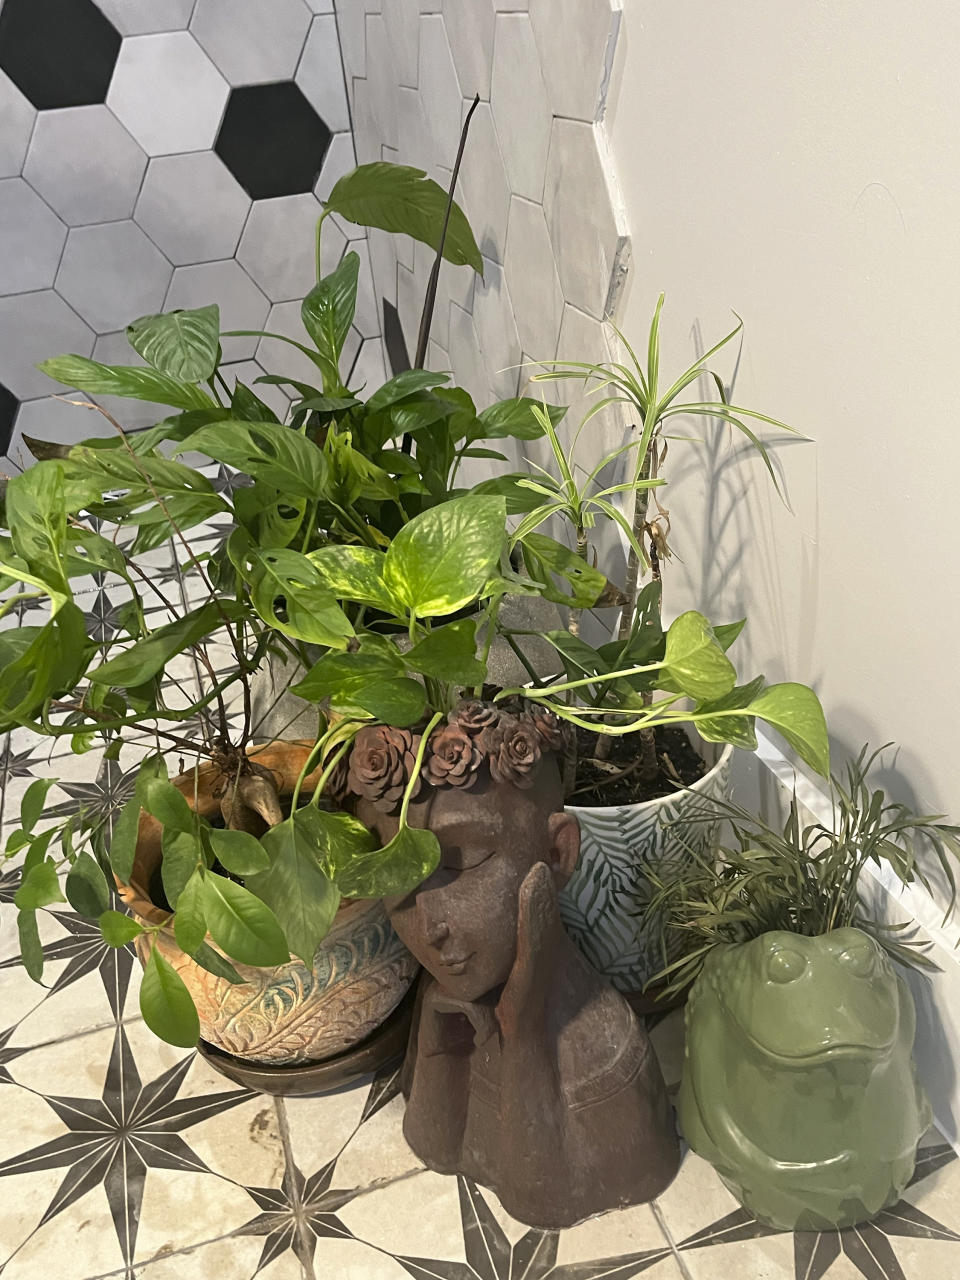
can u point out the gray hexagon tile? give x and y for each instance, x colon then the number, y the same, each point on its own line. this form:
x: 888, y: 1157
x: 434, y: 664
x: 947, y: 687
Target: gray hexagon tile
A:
x: 85, y: 165
x: 403, y: 28
x: 31, y: 239
x: 192, y: 207
x: 470, y: 30
x: 367, y: 316
x: 414, y: 135
x: 383, y: 260
x: 242, y: 304
x: 572, y: 37
x: 277, y: 245
x: 584, y: 232
x: 384, y: 85
x: 17, y: 117
x: 584, y: 338
x: 352, y: 30
x: 261, y: 46
x: 247, y: 372
x: 366, y: 131
x: 484, y: 190
x: 340, y: 159
x: 280, y: 357
x: 113, y: 273
x: 520, y: 105
x: 320, y: 6
x: 369, y: 371
x: 496, y: 327
x: 190, y: 115
x: 534, y: 283
x: 466, y: 355
x: 56, y: 420
x: 143, y: 17
x: 33, y: 327
x: 440, y: 88
x: 320, y: 74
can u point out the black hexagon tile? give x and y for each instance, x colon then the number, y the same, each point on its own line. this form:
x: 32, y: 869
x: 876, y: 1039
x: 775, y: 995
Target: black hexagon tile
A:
x: 59, y: 53
x: 272, y: 140
x: 9, y: 404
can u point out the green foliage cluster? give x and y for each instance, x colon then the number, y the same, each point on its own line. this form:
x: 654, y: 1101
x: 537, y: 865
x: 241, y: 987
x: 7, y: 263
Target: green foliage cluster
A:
x: 349, y: 534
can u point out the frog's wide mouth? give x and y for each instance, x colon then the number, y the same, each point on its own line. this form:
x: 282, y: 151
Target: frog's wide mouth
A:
x: 840, y: 1049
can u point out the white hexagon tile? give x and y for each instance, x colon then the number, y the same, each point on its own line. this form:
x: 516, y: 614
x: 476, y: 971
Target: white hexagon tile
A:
x: 157, y: 154
x: 535, y: 181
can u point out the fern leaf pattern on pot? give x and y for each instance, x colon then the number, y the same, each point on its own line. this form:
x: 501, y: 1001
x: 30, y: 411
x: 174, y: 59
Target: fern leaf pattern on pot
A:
x: 602, y: 903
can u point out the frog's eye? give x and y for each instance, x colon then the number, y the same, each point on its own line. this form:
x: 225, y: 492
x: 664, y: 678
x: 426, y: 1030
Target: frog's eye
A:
x: 860, y: 960
x: 785, y: 965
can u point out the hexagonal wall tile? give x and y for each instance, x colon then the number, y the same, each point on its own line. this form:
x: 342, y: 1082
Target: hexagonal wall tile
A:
x: 113, y: 274
x: 384, y: 84
x: 142, y: 17
x: 403, y: 30
x: 415, y: 142
x: 584, y: 232
x: 261, y: 43
x: 483, y: 185
x: 31, y: 239
x: 466, y: 356
x: 520, y: 105
x: 190, y: 116
x: 40, y: 44
x: 277, y: 247
x: 280, y: 357
x: 383, y: 261
x: 496, y: 328
x: 470, y: 29
x: 572, y: 37
x: 439, y: 88
x: 369, y: 371
x: 367, y: 315
x: 320, y: 74
x: 192, y: 207
x: 85, y: 165
x: 352, y: 30
x: 57, y: 420
x: 242, y: 305
x: 534, y: 284
x: 33, y: 327
x: 16, y: 124
x: 340, y: 159
x: 272, y: 140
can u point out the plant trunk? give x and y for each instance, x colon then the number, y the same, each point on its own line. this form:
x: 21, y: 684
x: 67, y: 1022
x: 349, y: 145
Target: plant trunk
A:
x: 650, y: 766
x: 573, y: 626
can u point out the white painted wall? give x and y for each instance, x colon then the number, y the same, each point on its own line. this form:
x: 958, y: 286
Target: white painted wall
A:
x: 801, y: 163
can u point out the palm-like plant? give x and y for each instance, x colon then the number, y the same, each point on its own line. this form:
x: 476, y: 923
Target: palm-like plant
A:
x: 803, y: 879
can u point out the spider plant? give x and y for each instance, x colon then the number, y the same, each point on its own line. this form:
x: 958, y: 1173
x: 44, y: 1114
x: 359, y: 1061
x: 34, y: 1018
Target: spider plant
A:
x: 803, y: 879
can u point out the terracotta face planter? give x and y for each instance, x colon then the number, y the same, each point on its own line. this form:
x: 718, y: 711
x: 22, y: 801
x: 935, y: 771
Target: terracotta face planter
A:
x: 799, y: 1086
x: 526, y: 1071
x: 287, y: 1015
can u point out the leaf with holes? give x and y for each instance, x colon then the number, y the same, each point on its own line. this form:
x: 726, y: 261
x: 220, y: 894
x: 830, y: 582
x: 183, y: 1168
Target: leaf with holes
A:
x: 288, y: 592
x: 181, y: 344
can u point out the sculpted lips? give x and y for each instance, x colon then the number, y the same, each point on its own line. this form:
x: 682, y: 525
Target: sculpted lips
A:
x: 455, y: 964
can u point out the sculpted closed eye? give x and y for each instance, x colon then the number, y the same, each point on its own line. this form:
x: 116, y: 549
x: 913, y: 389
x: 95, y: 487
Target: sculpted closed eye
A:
x: 786, y: 965
x: 460, y: 859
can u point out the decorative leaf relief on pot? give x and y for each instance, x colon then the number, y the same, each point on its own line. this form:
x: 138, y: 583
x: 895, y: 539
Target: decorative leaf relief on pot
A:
x: 602, y: 903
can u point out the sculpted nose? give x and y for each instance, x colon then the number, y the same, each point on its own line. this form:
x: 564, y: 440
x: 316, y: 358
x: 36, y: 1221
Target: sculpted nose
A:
x: 437, y: 932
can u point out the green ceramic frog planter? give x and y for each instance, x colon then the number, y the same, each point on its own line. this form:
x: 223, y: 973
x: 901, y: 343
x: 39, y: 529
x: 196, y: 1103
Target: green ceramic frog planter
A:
x: 799, y: 1085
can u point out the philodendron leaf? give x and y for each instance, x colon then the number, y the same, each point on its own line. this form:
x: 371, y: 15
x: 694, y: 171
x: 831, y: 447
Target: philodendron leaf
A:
x: 327, y: 313
x: 86, y: 887
x: 276, y: 455
x: 441, y: 559
x: 449, y: 653
x: 39, y: 888
x: 303, y: 897
x: 396, y: 869
x: 693, y: 659
x: 181, y: 344
x: 241, y: 924
x: 119, y: 929
x: 132, y: 382
x: 398, y: 198
x: 371, y: 682
x: 514, y: 418
x: 166, y: 1005
x: 795, y: 711
x: 238, y: 852
x: 354, y: 573
x: 739, y: 730
x: 545, y: 557
x: 148, y: 657
x: 284, y: 579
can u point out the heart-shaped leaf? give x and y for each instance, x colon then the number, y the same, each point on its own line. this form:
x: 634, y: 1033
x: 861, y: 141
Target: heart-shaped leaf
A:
x: 181, y: 344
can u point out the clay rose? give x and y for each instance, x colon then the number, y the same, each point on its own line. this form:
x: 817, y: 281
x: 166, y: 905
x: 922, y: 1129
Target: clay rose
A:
x: 452, y: 759
x: 473, y: 716
x: 513, y: 748
x: 550, y: 728
x: 381, y: 763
